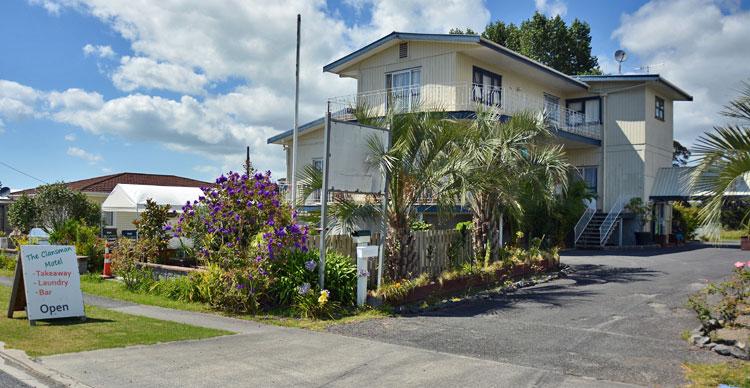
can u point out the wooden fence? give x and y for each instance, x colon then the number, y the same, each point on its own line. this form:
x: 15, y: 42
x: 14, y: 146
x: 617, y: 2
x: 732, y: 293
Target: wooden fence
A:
x: 437, y: 250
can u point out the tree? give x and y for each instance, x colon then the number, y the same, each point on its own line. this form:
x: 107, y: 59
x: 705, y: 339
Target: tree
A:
x: 723, y: 157
x: 22, y: 213
x: 548, y: 40
x: 458, y: 31
x: 56, y: 203
x: 417, y: 164
x: 680, y: 154
x: 496, y: 160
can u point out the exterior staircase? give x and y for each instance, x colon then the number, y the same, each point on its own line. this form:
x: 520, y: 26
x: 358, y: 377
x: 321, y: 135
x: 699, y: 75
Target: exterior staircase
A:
x: 590, y: 237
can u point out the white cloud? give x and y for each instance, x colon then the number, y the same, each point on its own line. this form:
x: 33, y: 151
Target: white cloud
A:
x: 145, y: 73
x: 421, y: 16
x: 551, y: 8
x: 100, y: 51
x: 70, y: 137
x: 17, y: 101
x: 193, y: 46
x: 702, y: 49
x: 85, y: 155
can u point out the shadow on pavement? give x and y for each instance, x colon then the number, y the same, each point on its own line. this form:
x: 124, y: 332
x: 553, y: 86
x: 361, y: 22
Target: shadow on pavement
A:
x: 548, y: 294
x: 645, y: 252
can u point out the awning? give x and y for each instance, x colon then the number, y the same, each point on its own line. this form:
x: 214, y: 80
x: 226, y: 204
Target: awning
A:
x: 673, y: 183
x: 132, y: 198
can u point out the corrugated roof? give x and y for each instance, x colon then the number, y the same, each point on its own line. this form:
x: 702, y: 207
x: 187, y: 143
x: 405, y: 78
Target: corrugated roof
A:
x: 636, y: 77
x: 107, y: 183
x: 673, y: 183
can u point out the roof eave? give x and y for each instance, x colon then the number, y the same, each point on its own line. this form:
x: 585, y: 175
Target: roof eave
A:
x: 339, y: 64
x: 520, y: 57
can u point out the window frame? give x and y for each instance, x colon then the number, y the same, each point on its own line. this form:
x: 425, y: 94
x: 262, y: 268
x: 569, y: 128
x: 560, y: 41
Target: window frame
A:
x: 582, y: 175
x: 412, y: 87
x: 583, y: 100
x: 493, y: 76
x: 660, y: 106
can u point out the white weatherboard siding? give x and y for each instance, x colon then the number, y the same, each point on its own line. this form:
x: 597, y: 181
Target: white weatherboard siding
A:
x: 436, y: 60
x: 511, y: 81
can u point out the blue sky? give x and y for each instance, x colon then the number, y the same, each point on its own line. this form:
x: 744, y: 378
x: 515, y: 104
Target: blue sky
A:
x: 91, y: 87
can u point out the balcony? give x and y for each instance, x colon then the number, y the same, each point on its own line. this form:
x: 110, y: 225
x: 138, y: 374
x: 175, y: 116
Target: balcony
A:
x: 463, y: 98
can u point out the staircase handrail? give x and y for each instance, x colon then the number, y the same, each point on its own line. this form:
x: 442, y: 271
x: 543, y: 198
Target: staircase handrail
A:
x: 583, y: 222
x: 609, y: 222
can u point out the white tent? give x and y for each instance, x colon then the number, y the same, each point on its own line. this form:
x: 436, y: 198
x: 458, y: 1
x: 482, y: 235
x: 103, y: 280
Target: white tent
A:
x: 132, y: 198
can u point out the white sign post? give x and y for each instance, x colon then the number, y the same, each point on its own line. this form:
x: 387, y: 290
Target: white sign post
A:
x: 51, y: 281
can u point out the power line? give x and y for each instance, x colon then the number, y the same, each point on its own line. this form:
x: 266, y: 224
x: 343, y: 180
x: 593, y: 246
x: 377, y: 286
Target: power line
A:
x: 21, y: 172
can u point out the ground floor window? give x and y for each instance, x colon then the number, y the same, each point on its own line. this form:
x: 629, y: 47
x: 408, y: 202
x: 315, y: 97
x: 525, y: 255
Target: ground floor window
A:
x: 589, y: 174
x: 108, y: 219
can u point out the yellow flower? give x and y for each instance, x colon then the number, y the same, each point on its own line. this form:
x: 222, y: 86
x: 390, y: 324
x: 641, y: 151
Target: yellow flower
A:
x: 323, y: 298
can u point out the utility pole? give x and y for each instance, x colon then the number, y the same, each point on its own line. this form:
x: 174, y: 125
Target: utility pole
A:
x: 293, y: 178
x: 248, y: 165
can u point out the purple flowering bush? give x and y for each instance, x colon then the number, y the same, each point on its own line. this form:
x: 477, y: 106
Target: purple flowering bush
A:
x: 241, y: 222
x: 240, y: 228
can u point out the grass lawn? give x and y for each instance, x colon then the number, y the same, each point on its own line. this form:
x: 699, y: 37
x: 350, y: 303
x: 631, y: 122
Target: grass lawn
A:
x: 732, y: 234
x: 102, y: 329
x: 94, y: 285
x: 734, y: 373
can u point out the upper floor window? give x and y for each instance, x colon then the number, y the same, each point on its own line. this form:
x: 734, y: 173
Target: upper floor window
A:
x: 659, y: 109
x: 584, y: 111
x: 486, y: 87
x: 403, y: 89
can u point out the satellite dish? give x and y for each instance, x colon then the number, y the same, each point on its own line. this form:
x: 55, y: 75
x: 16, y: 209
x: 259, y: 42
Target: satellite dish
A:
x: 620, y: 57
x: 4, y: 191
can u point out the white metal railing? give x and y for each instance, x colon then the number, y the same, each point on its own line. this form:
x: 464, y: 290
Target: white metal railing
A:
x: 461, y: 97
x: 609, y: 222
x: 583, y: 222
x: 312, y: 200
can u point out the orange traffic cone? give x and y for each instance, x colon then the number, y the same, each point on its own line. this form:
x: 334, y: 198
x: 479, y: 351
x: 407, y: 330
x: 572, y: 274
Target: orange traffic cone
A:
x: 107, y: 272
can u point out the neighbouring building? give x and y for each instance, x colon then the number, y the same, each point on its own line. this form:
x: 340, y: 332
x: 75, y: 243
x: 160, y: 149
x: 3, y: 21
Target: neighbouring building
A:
x: 617, y: 130
x: 99, y: 188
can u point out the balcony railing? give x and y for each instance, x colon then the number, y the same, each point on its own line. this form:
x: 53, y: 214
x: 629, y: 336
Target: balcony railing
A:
x: 461, y: 97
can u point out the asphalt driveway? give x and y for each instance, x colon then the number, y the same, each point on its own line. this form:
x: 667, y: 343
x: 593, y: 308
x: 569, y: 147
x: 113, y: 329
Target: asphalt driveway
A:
x: 618, y: 317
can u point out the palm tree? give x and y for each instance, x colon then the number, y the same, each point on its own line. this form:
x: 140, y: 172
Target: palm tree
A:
x: 723, y: 157
x: 498, y: 159
x: 417, y: 166
x: 346, y: 212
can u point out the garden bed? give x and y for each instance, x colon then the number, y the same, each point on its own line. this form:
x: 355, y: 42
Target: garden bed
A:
x: 724, y: 311
x: 445, y: 287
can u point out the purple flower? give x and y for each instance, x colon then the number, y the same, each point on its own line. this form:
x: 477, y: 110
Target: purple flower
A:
x: 240, y: 286
x: 303, y: 289
x: 310, y: 265
x: 166, y: 227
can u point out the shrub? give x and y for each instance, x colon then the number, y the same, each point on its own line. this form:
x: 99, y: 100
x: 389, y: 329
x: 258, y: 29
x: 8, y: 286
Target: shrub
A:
x: 125, y: 256
x: 152, y: 227
x: 341, y: 278
x: 181, y: 288
x: 293, y: 270
x: 688, y: 218
x: 313, y: 304
x: 244, y: 220
x: 84, y: 238
x: 22, y: 213
x: 721, y: 300
x: 8, y: 262
x: 297, y: 268
x: 234, y: 290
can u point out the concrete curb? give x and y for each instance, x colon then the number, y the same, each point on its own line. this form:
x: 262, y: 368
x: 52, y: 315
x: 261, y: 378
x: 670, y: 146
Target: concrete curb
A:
x: 43, y: 376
